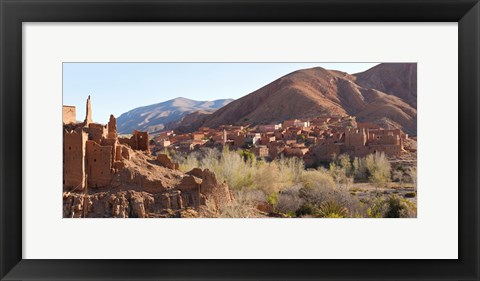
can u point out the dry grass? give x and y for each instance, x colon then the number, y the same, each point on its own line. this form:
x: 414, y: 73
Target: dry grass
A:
x: 290, y: 190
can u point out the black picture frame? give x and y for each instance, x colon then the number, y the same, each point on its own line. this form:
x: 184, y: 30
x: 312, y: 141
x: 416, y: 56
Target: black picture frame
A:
x: 14, y: 12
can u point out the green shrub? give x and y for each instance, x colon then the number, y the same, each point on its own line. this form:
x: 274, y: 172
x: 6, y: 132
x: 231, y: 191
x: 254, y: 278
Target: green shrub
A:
x: 291, y: 214
x: 376, y: 207
x: 315, y: 179
x: 305, y: 209
x: 246, y: 155
x: 333, y: 216
x: 289, y: 188
x: 378, y: 169
x: 395, y: 207
x: 331, y: 209
x: 374, y: 167
x: 272, y: 199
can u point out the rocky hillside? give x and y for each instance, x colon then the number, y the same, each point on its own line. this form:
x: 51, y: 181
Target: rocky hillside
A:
x: 398, y: 79
x: 190, y: 122
x: 156, y: 117
x: 384, y: 94
x: 147, y: 186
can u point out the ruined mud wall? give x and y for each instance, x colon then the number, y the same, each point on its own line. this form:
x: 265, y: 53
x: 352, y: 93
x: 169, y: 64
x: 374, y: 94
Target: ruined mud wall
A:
x: 73, y: 159
x: 139, y: 141
x: 355, y: 137
x: 69, y: 114
x: 99, y: 164
x: 96, y: 132
x: 112, y: 128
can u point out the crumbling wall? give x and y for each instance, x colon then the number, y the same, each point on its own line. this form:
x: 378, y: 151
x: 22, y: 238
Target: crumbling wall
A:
x: 274, y: 151
x: 141, y: 139
x: 387, y: 149
x: 165, y: 161
x: 324, y: 151
x: 127, y: 141
x: 88, y: 114
x: 260, y: 151
x: 362, y: 151
x: 295, y: 151
x: 74, y: 159
x: 99, y: 164
x: 112, y: 128
x: 355, y: 137
x: 367, y: 125
x: 118, y: 153
x: 113, y: 143
x: 96, y: 132
x: 69, y: 114
x: 172, y: 200
x: 388, y: 140
x: 214, y: 191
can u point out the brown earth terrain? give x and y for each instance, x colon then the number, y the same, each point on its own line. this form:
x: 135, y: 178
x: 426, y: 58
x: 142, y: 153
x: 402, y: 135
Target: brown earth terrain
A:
x: 146, y: 186
x: 398, y: 79
x: 384, y: 95
x: 105, y: 175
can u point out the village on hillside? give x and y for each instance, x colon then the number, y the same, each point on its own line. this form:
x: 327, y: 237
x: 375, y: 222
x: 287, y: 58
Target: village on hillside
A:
x: 315, y: 141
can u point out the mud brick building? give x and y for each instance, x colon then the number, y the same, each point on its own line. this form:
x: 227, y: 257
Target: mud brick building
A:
x: 91, y: 150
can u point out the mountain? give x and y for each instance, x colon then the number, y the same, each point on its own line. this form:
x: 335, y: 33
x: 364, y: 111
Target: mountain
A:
x: 156, y: 117
x: 189, y: 122
x: 398, y: 79
x: 385, y: 95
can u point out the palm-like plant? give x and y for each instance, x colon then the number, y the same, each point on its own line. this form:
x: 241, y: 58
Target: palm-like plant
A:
x: 331, y: 209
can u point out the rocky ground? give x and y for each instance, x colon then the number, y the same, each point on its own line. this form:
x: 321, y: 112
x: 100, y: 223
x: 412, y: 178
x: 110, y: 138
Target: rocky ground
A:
x: 146, y: 186
x: 366, y: 190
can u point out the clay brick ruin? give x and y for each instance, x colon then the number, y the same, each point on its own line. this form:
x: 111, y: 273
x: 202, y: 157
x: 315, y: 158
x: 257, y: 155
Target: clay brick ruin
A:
x: 106, y: 175
x: 91, y: 150
x: 69, y: 114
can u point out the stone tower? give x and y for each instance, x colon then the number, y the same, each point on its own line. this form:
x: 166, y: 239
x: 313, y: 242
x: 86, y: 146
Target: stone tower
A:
x: 88, y: 115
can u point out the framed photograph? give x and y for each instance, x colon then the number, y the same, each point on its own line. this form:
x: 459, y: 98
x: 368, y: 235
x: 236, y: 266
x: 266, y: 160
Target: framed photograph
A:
x: 155, y: 140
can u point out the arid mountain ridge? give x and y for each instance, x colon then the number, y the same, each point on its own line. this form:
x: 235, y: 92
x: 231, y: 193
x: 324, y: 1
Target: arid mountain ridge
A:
x: 385, y: 95
x: 164, y: 115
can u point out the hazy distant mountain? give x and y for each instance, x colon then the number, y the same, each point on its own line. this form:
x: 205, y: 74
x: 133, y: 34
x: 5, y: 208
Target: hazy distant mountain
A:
x: 156, y: 117
x: 385, y: 94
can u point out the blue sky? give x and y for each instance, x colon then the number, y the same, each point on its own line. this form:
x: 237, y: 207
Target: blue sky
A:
x: 116, y: 88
